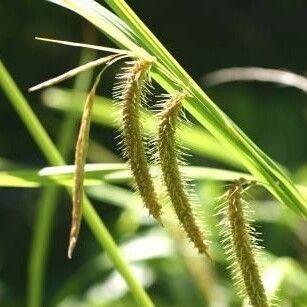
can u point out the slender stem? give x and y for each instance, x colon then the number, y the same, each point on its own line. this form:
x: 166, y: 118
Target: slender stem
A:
x: 46, y: 208
x: 54, y: 158
x: 105, y: 239
x: 47, y: 203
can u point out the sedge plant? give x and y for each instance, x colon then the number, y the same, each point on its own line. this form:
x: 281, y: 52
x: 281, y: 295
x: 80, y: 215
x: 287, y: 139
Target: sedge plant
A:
x: 129, y: 33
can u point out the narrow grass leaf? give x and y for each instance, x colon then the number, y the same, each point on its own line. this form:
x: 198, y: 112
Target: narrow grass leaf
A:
x: 71, y: 73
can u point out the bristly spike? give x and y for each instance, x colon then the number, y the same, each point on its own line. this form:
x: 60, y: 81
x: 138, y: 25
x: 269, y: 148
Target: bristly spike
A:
x: 175, y: 184
x: 240, y: 245
x: 80, y: 156
x: 130, y: 93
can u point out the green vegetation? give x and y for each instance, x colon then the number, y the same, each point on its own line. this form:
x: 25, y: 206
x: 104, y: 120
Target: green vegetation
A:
x: 142, y: 263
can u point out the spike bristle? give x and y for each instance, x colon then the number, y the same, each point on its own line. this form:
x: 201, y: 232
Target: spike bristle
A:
x: 131, y: 92
x: 169, y: 160
x: 241, y: 245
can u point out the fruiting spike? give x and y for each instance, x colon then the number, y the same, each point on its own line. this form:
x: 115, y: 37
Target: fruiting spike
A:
x: 131, y: 92
x: 80, y: 157
x: 240, y: 245
x: 169, y: 161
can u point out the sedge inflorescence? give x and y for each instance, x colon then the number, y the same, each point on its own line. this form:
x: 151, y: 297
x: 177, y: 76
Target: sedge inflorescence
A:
x: 131, y: 93
x: 80, y: 157
x: 241, y: 244
x: 170, y: 160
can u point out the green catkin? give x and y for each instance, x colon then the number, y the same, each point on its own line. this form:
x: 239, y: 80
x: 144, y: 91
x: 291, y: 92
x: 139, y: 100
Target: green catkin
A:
x: 131, y: 93
x: 241, y: 245
x: 169, y: 161
x: 80, y: 157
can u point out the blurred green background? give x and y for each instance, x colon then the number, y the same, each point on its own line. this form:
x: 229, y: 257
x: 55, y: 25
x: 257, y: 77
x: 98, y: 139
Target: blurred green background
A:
x: 235, y: 33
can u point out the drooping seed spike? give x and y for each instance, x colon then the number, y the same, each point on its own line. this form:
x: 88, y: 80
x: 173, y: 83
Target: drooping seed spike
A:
x: 175, y: 184
x: 80, y: 157
x: 131, y: 93
x: 241, y: 248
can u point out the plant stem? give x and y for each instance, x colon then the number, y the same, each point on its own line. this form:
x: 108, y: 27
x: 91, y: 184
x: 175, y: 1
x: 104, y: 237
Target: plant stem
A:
x: 46, y: 208
x: 47, y: 203
x: 54, y: 158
